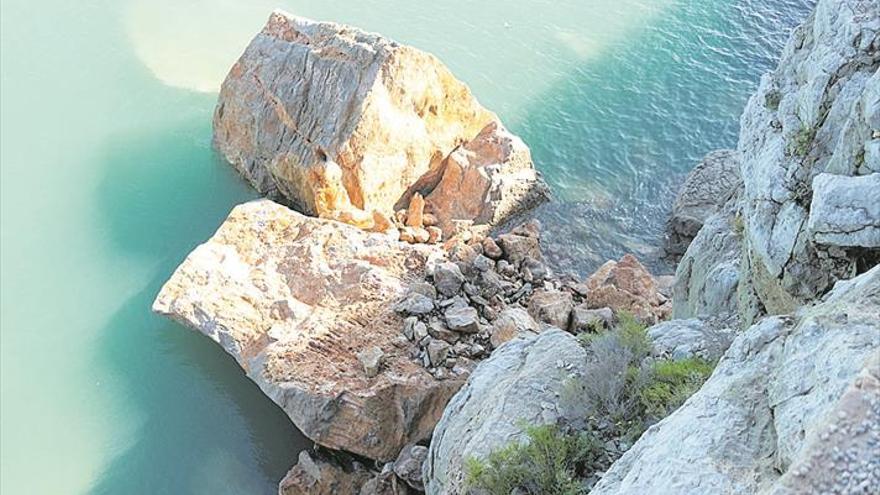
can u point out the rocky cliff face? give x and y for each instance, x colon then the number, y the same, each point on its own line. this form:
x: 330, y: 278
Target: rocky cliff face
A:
x: 778, y: 395
x: 817, y: 113
x: 343, y: 123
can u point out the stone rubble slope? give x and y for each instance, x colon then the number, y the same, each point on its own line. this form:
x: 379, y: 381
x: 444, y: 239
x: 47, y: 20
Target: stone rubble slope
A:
x: 817, y: 113
x: 343, y: 123
x: 773, y: 391
x: 295, y: 300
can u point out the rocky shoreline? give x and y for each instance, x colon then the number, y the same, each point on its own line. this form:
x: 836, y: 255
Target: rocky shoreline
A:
x: 412, y: 342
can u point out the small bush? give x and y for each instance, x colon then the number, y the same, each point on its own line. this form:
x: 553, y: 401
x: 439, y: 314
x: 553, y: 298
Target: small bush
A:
x: 550, y: 462
x: 802, y: 141
x: 670, y: 384
x: 772, y: 99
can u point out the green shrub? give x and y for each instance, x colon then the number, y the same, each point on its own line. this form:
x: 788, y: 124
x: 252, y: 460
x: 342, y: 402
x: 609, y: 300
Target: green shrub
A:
x: 549, y: 462
x: 633, y: 335
x: 802, y: 141
x: 670, y: 384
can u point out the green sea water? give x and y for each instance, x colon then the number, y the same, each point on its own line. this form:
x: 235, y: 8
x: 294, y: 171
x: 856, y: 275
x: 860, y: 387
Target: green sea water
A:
x: 109, y: 180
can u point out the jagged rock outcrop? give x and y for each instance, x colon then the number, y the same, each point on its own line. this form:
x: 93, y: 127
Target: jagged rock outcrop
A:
x: 344, y: 123
x: 818, y: 112
x: 707, y: 277
x: 766, y: 406
x: 295, y: 299
x: 705, y: 190
x: 518, y: 385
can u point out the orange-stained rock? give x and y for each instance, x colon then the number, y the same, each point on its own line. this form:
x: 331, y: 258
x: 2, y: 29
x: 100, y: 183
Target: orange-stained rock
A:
x: 415, y: 211
x: 294, y: 299
x: 305, y: 93
x: 342, y: 123
x: 487, y: 180
x: 626, y: 285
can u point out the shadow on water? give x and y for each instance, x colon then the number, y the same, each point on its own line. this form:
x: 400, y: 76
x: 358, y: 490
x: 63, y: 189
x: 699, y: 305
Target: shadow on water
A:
x: 205, y: 427
x: 616, y: 135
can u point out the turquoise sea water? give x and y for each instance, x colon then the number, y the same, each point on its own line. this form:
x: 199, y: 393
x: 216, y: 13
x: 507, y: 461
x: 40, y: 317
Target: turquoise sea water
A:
x: 108, y: 181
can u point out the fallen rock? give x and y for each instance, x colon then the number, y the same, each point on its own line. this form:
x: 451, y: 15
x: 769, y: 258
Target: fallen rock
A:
x: 344, y: 123
x: 371, y: 360
x: 552, y: 307
x: 760, y: 412
x: 512, y: 323
x: 463, y: 319
x: 845, y: 211
x: 584, y: 319
x: 415, y: 303
x: 487, y: 180
x: 705, y: 190
x: 491, y: 248
x: 524, y: 241
x: 307, y: 93
x: 293, y: 299
x: 448, y: 278
x: 319, y: 477
x: 408, y: 465
x: 519, y: 384
x: 626, y: 285
x: 438, y: 350
x: 693, y: 338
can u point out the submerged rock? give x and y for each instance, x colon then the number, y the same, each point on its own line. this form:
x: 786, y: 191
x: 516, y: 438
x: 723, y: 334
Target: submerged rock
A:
x: 763, y: 410
x: 295, y: 300
x: 519, y: 384
x: 345, y: 123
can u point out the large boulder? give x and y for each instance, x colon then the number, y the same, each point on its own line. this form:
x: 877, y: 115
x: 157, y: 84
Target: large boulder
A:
x: 295, y: 300
x: 818, y: 112
x: 705, y: 190
x: 345, y: 123
x: 519, y: 384
x: 692, y: 338
x: 766, y: 408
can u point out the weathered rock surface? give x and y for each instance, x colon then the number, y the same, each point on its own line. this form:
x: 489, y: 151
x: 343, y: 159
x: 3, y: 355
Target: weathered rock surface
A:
x: 486, y: 180
x: 319, y: 477
x: 512, y: 323
x: 818, y: 112
x: 518, y: 384
x: 846, y: 210
x: 760, y: 412
x: 705, y: 190
x: 295, y: 299
x: 408, y: 465
x: 626, y: 285
x: 707, y: 277
x: 683, y: 339
x: 345, y: 124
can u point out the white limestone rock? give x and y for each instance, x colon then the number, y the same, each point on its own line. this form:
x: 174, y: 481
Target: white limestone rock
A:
x: 518, y: 384
x: 846, y: 210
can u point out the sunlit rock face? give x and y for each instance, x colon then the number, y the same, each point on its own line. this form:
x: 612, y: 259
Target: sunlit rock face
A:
x: 342, y: 123
x: 295, y: 300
